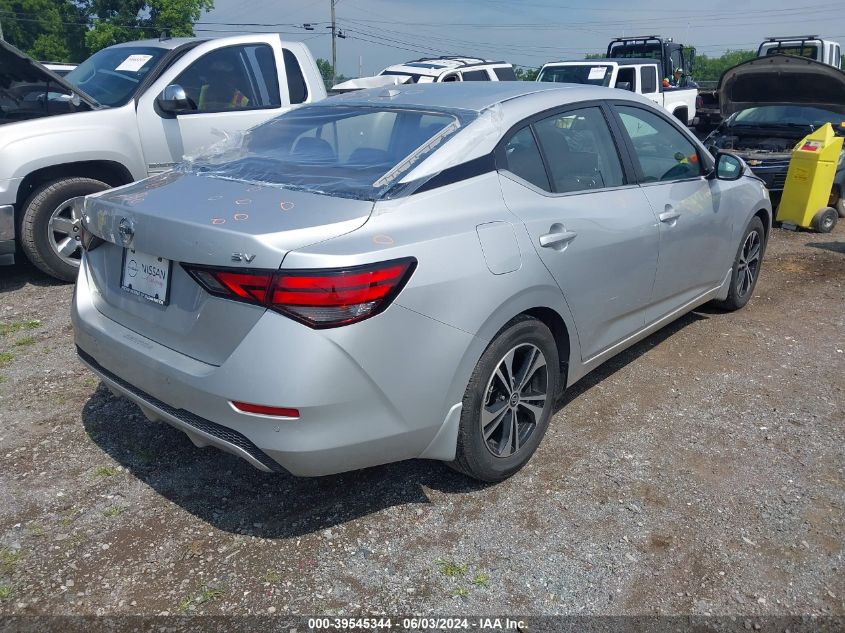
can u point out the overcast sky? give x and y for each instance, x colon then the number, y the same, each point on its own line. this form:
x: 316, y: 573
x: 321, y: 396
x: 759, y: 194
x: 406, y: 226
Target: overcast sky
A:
x: 526, y: 33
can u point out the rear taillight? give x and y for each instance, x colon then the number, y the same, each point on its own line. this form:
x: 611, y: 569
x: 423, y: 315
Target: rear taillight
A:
x: 318, y: 298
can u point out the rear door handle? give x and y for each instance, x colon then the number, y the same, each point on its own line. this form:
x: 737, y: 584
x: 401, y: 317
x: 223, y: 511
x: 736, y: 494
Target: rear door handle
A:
x: 669, y: 215
x: 557, y: 239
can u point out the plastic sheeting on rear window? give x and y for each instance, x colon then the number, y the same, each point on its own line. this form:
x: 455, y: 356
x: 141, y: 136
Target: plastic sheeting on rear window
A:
x: 349, y: 151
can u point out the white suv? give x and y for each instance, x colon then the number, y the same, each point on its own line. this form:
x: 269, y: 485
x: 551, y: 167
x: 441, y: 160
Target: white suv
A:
x: 441, y: 69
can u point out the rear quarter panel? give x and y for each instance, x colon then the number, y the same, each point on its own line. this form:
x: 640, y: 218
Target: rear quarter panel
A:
x: 452, y: 283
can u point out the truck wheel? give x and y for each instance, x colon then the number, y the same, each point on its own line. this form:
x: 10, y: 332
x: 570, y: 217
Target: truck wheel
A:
x: 825, y: 220
x: 50, y: 231
x: 840, y: 207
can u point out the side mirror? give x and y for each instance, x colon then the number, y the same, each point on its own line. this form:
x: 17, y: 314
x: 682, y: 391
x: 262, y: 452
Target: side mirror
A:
x: 728, y: 166
x: 174, y: 99
x: 623, y: 85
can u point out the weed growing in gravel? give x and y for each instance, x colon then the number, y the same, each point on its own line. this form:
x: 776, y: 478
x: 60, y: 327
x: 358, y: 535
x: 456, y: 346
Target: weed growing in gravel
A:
x: 450, y: 569
x: 113, y: 512
x: 8, y: 558
x: 272, y: 577
x: 15, y: 326
x: 207, y: 594
x: 106, y: 471
x: 481, y: 580
x: 26, y: 341
x: 3, y: 378
x: 5, y: 592
x: 6, y: 358
x: 461, y: 592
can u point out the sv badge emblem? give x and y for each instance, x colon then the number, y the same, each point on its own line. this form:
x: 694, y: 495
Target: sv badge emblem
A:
x: 243, y: 257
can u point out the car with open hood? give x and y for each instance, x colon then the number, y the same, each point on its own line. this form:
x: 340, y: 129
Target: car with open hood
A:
x: 769, y: 104
x: 409, y: 272
x: 129, y: 111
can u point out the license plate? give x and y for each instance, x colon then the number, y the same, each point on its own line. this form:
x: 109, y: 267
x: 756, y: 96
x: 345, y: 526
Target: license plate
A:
x: 146, y: 276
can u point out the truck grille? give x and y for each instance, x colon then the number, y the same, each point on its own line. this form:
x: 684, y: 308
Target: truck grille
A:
x: 219, y: 431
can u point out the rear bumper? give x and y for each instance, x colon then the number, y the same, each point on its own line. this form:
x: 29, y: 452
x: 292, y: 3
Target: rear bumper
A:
x: 368, y: 394
x: 7, y: 234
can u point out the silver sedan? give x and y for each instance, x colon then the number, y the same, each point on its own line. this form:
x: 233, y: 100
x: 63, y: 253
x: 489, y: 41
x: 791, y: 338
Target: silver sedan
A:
x: 413, y: 272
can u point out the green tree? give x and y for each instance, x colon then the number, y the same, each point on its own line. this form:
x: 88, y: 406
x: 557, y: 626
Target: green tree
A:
x: 50, y: 30
x: 71, y: 30
x: 711, y: 68
x: 526, y: 74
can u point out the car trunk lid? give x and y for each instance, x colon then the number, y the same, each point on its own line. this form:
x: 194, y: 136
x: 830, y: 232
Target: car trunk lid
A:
x: 188, y: 218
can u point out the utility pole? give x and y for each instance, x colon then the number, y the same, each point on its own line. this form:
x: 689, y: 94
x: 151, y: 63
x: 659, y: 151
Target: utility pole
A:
x: 334, y: 44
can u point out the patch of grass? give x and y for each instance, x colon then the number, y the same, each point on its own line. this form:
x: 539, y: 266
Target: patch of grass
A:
x: 36, y: 529
x: 5, y: 592
x: 114, y: 511
x: 272, y: 577
x: 3, y: 379
x: 461, y: 592
x: 8, y: 558
x: 481, y: 580
x: 90, y: 381
x: 451, y: 569
x: 16, y: 326
x: 26, y: 341
x: 106, y: 471
x: 205, y: 595
x: 6, y: 358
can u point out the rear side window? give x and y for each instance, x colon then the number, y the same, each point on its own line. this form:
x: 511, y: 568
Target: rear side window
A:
x: 505, y: 74
x: 649, y: 77
x: 297, y: 89
x: 663, y: 152
x: 580, y: 151
x: 523, y: 159
x: 476, y: 75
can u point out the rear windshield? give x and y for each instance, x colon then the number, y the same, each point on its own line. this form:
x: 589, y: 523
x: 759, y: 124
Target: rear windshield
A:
x: 347, y: 151
x: 808, y: 50
x: 113, y: 75
x: 594, y: 75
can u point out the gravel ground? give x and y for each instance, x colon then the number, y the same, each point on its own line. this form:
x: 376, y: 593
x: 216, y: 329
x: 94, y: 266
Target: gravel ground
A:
x: 700, y: 472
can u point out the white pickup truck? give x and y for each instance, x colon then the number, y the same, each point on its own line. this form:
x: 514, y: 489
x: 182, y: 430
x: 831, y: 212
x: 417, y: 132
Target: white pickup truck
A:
x: 637, y: 75
x: 129, y: 111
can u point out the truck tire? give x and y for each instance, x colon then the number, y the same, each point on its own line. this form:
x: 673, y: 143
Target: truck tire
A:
x: 49, y: 233
x: 840, y: 207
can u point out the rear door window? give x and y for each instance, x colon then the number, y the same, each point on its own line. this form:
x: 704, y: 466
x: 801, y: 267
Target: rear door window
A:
x: 580, y: 151
x: 297, y: 88
x: 505, y: 74
x: 475, y: 75
x: 649, y: 79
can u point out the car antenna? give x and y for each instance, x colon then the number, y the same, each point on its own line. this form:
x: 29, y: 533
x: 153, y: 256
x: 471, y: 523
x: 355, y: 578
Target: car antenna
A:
x: 164, y: 36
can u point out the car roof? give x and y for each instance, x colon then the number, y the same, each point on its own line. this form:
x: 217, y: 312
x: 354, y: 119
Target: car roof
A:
x: 621, y: 61
x: 474, y: 96
x: 168, y: 44
x: 435, y: 66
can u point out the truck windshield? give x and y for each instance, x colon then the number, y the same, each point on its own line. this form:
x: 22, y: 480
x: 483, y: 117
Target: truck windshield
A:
x: 594, y: 75
x: 340, y: 150
x: 112, y: 75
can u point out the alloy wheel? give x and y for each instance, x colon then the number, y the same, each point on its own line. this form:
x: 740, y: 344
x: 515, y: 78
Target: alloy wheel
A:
x: 749, y: 263
x: 514, y: 400
x: 64, y: 230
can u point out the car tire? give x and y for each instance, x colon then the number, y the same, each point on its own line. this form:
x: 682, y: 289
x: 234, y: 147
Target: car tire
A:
x: 840, y: 207
x: 48, y: 224
x: 746, y: 266
x: 489, y: 453
x: 825, y: 220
